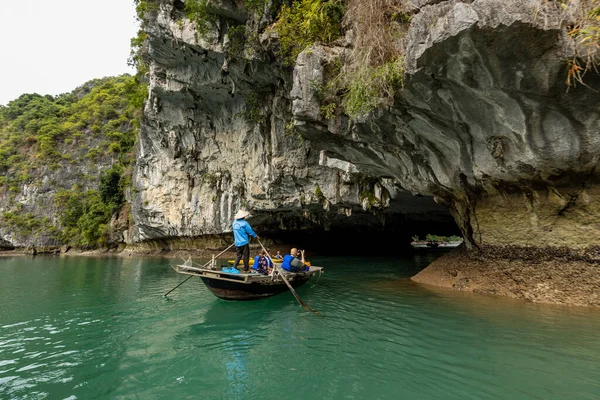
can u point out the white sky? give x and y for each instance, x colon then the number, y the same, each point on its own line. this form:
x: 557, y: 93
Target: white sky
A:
x: 53, y: 46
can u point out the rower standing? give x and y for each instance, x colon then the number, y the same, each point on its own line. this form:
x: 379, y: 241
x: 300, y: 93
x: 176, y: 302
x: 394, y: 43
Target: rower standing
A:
x: 241, y: 232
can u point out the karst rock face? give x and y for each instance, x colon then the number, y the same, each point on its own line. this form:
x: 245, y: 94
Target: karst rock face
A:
x: 485, y: 121
x: 218, y: 134
x: 485, y: 124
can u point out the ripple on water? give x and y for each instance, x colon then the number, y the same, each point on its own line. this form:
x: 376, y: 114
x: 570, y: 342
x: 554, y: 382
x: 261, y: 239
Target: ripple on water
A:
x: 101, y: 329
x: 55, y: 365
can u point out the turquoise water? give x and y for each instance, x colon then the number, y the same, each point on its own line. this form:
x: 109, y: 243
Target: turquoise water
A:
x: 99, y: 328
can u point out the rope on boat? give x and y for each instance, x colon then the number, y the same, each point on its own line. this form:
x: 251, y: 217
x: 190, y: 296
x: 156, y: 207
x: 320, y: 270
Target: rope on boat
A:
x: 189, y: 277
x: 192, y: 263
x: 282, y: 275
x: 317, y: 282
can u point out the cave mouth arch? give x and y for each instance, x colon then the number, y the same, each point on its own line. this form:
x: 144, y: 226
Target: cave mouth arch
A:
x: 363, y: 233
x: 357, y: 242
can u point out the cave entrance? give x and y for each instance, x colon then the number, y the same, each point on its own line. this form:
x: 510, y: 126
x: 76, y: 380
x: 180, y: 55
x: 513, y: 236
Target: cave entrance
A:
x: 357, y: 240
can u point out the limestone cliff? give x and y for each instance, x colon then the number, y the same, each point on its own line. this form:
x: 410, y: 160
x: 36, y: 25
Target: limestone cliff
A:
x: 219, y: 134
x: 485, y: 124
x: 485, y: 121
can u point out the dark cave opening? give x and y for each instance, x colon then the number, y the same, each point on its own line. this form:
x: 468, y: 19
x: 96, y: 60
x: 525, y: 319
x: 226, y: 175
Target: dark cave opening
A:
x: 358, y: 240
x: 355, y: 231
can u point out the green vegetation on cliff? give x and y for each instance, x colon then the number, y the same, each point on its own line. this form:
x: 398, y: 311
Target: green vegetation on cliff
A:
x: 587, y: 33
x: 305, y: 22
x: 84, y: 217
x: 78, y: 149
x: 37, y: 131
x: 372, y: 72
x: 30, y: 225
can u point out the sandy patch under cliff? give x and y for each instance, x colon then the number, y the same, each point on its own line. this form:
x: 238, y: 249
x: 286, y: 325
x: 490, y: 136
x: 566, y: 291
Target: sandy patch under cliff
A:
x: 557, y: 281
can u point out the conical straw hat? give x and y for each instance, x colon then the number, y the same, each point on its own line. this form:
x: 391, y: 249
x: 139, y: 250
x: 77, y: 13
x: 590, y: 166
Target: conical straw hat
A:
x: 241, y: 214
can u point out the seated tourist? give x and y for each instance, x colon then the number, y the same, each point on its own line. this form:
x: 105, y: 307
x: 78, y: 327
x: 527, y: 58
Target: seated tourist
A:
x: 278, y: 256
x: 262, y: 264
x: 292, y: 263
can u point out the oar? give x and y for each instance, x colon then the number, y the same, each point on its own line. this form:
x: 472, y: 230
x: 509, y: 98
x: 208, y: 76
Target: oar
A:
x: 186, y: 279
x: 281, y: 274
x: 191, y: 276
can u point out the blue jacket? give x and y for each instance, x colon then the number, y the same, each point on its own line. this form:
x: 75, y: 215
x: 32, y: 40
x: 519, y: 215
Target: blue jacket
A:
x: 241, y: 230
x: 286, y: 264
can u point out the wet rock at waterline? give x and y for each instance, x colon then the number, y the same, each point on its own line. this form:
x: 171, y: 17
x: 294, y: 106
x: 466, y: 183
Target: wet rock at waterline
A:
x: 537, y: 274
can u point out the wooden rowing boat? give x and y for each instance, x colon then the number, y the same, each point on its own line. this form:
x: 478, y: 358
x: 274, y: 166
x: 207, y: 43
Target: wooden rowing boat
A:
x: 246, y: 286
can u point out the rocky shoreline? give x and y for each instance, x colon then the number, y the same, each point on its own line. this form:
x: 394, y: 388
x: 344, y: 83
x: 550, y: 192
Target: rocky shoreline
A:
x: 126, y: 252
x: 183, y: 248
x: 538, y: 275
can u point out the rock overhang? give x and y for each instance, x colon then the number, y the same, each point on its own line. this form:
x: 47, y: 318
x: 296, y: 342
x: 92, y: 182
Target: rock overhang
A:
x: 478, y: 110
x: 485, y: 96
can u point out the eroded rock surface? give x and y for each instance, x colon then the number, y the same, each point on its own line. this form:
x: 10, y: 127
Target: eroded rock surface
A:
x: 485, y: 124
x: 219, y: 134
x: 485, y: 121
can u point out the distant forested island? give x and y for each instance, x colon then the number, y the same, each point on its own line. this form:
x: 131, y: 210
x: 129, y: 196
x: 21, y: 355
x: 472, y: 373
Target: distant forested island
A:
x: 66, y: 161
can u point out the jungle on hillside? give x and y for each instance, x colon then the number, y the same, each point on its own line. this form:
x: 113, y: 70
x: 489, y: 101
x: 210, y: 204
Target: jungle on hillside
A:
x: 66, y: 161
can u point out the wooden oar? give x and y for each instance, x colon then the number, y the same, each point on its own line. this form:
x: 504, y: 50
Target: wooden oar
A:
x: 282, y: 275
x: 191, y: 276
x: 186, y: 279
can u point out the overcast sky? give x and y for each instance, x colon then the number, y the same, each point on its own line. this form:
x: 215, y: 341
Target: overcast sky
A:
x: 51, y: 47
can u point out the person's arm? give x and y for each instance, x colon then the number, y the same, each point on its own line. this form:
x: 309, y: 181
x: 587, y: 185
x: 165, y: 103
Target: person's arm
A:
x: 250, y: 231
x: 302, y: 256
x: 270, y: 262
x: 306, y: 267
x: 255, y: 266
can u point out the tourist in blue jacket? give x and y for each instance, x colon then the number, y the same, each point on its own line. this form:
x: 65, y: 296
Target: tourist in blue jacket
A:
x: 292, y: 263
x: 241, y: 235
x: 263, y: 264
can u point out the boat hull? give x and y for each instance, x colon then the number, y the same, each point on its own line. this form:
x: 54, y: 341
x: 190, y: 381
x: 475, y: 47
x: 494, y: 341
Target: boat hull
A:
x: 241, y: 291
